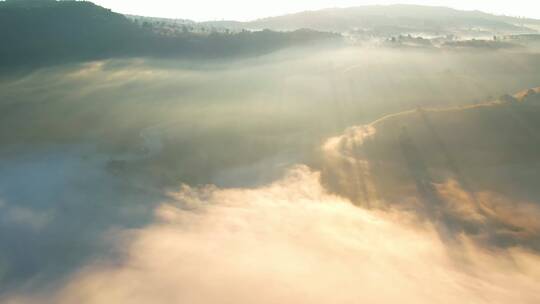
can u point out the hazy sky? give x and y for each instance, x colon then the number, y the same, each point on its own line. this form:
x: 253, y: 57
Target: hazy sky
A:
x: 252, y: 9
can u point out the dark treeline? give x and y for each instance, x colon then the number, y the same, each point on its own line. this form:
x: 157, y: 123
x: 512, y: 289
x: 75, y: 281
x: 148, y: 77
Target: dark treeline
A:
x: 45, y: 32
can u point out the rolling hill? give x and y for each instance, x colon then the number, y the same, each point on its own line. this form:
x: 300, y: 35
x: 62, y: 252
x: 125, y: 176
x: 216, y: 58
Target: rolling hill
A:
x: 474, y: 169
x: 391, y: 19
x: 48, y: 32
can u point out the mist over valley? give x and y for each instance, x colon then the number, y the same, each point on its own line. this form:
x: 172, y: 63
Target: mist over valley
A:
x: 387, y: 152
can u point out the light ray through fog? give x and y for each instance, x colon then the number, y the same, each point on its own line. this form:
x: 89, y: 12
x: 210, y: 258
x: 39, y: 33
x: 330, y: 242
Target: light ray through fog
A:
x: 283, y: 235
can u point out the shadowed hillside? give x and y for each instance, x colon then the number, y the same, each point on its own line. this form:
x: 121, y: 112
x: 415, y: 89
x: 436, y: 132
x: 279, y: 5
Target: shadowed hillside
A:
x: 47, y: 32
x: 473, y: 168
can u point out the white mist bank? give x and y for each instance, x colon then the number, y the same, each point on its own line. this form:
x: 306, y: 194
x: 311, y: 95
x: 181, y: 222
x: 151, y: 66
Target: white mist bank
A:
x: 292, y: 242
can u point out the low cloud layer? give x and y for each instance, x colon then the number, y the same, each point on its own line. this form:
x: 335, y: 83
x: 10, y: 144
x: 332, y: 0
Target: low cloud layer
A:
x: 88, y: 152
x: 293, y: 242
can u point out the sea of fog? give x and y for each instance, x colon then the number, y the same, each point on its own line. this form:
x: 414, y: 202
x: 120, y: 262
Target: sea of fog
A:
x: 161, y: 181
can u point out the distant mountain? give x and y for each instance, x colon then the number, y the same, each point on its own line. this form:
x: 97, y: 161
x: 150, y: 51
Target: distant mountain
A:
x: 392, y: 18
x: 47, y: 31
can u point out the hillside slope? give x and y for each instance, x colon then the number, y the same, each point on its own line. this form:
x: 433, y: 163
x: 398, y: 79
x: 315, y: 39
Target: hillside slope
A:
x: 68, y: 29
x: 474, y: 168
x: 43, y: 32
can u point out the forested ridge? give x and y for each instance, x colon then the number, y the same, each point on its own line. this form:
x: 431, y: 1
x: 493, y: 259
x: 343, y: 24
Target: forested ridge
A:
x: 40, y: 32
